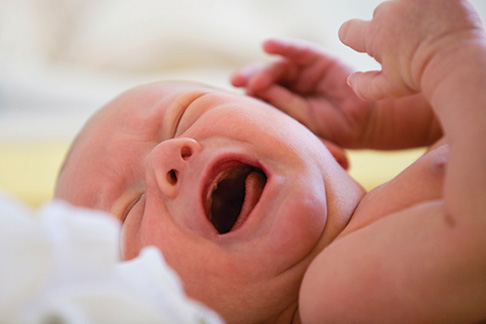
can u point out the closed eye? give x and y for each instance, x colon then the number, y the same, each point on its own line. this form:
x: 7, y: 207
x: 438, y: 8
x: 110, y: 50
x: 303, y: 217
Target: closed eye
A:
x: 192, y: 113
x: 130, y: 208
x: 183, y: 111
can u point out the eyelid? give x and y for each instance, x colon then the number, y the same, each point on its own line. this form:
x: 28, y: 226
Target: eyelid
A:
x: 183, y: 110
x: 130, y: 207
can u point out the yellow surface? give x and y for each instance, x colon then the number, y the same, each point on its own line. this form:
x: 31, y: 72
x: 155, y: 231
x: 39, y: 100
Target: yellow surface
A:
x: 28, y: 170
x: 372, y: 168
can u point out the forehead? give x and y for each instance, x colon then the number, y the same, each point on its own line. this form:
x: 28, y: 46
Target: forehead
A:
x: 150, y: 108
x: 152, y: 111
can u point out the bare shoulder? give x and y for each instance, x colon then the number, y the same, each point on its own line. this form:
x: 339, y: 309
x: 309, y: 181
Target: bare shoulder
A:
x: 403, y: 259
x: 422, y: 181
x: 413, y: 266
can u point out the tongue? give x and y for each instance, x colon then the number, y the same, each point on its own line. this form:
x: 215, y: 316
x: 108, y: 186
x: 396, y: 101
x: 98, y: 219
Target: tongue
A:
x: 254, y: 184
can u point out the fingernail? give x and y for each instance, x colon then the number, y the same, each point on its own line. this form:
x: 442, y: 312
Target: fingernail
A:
x: 342, y: 32
x: 349, y: 80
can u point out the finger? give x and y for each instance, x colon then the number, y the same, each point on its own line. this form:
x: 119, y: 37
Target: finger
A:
x: 286, y: 101
x: 370, y: 85
x: 374, y: 85
x: 243, y: 75
x: 279, y: 72
x: 296, y: 50
x: 353, y: 33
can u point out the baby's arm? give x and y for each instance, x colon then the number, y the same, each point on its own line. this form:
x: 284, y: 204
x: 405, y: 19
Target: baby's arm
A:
x: 444, y: 57
x: 311, y: 86
x: 426, y: 263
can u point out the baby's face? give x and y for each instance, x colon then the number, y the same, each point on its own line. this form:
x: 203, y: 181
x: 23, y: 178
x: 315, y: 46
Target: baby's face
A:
x: 238, y: 196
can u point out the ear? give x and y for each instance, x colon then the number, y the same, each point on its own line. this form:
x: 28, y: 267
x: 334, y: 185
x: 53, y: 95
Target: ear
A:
x: 338, y: 153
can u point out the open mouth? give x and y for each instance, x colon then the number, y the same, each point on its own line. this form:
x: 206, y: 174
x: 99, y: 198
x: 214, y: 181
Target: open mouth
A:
x: 233, y: 195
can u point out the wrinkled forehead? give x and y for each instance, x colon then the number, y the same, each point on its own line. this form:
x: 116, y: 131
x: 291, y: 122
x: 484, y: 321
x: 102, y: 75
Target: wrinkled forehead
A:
x: 146, y: 111
x: 152, y: 102
x: 140, y: 114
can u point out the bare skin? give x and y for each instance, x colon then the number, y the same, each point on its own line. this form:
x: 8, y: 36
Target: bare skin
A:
x: 414, y: 250
x: 308, y: 245
x: 155, y: 157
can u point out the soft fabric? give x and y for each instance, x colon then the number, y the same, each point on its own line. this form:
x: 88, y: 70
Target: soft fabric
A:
x: 62, y: 265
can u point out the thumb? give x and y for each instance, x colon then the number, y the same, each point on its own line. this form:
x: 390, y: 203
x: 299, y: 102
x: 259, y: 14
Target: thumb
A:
x: 374, y: 85
x: 371, y: 85
x: 353, y: 33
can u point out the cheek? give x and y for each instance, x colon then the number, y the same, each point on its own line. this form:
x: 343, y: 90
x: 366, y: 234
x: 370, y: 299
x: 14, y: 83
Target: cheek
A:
x: 205, y: 274
x: 306, y: 220
x: 186, y: 252
x: 301, y: 221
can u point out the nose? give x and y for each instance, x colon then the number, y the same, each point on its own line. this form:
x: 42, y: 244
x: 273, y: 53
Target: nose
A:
x: 169, y: 161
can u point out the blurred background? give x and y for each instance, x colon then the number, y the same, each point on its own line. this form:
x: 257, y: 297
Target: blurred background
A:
x: 60, y: 60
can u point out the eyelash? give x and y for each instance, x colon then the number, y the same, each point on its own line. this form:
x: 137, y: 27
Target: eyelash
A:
x: 130, y: 207
x: 178, y: 120
x: 183, y: 112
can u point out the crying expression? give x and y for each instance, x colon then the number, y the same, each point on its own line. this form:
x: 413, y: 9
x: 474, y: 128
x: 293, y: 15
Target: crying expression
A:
x: 231, y: 190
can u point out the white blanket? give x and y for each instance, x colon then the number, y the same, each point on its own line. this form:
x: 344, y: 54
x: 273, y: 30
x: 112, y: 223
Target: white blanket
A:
x: 61, y: 265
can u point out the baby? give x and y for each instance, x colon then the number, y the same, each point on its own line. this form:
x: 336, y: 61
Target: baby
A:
x: 261, y: 221
x: 238, y: 196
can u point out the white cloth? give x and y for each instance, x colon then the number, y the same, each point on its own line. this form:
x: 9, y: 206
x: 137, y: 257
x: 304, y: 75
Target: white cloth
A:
x: 61, y: 265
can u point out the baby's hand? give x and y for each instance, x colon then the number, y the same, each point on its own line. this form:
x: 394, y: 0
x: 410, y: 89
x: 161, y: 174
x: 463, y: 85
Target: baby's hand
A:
x: 310, y: 86
x: 404, y: 35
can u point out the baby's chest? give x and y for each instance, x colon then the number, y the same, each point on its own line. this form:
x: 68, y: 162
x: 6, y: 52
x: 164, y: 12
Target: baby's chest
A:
x: 420, y: 182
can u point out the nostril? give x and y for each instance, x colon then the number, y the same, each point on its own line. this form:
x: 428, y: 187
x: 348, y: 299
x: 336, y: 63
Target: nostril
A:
x: 186, y: 152
x: 172, y: 177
